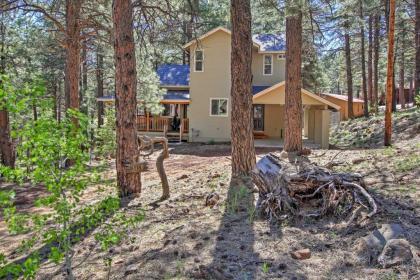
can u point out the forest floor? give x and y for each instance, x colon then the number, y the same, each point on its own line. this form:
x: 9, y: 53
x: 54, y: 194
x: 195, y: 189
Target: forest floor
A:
x: 181, y: 238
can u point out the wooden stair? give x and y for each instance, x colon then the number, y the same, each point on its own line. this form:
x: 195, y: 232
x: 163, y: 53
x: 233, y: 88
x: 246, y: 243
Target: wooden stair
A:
x: 259, y: 135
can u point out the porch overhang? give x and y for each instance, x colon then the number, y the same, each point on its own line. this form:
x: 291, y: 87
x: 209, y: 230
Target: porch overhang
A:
x: 276, y: 95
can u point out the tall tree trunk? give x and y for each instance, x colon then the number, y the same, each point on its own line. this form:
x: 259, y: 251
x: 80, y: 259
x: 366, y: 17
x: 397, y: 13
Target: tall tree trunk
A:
x: 7, y: 150
x: 84, y: 79
x: 394, y: 88
x: 349, y: 76
x: 389, y: 75
x: 370, y: 61
x: 100, y: 84
x: 375, y: 98
x: 128, y: 171
x: 293, y: 98
x: 401, y: 90
x: 411, y: 94
x: 417, y: 36
x: 243, y: 150
x: 362, y: 37
x: 72, y: 71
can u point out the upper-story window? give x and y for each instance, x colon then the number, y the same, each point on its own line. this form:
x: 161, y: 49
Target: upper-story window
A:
x: 199, y: 61
x: 268, y: 64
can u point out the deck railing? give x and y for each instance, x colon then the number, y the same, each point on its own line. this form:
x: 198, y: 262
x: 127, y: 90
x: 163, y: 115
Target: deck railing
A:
x: 159, y: 124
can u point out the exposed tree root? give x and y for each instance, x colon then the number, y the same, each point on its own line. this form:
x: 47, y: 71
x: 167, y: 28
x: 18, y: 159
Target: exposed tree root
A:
x: 307, y: 190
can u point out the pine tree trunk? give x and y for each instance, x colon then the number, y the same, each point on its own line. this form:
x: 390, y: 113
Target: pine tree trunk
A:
x: 100, y: 84
x: 7, y: 150
x: 72, y: 71
x: 376, y: 64
x: 55, y: 97
x: 293, y: 98
x: 389, y: 75
x: 370, y: 62
x: 59, y: 96
x: 362, y: 38
x: 401, y: 90
x: 243, y: 150
x: 417, y: 37
x: 128, y: 175
x: 349, y: 76
x: 411, y: 94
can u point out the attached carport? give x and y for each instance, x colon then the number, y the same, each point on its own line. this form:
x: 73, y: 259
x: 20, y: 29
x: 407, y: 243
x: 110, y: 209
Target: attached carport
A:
x: 316, y: 114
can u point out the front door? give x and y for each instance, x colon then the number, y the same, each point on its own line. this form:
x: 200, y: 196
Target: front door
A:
x: 258, y: 117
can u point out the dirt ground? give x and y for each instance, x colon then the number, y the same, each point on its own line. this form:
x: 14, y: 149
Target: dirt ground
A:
x: 181, y: 238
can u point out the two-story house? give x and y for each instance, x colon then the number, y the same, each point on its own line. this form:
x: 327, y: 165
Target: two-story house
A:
x: 198, y: 95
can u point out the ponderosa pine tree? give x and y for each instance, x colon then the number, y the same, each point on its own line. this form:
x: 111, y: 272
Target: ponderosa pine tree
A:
x: 363, y: 64
x: 7, y: 152
x: 128, y: 176
x: 349, y: 75
x: 293, y: 98
x: 389, y: 75
x: 72, y: 70
x: 376, y: 38
x: 243, y: 150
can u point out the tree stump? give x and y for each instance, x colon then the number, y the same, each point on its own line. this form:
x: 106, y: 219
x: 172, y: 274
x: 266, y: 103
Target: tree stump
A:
x: 306, y: 190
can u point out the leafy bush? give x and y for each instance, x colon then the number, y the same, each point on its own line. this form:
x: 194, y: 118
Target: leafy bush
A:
x: 106, y: 135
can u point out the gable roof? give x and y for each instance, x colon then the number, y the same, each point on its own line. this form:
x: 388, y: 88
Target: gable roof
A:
x: 264, y: 42
x: 343, y: 97
x: 304, y: 91
x: 174, y: 74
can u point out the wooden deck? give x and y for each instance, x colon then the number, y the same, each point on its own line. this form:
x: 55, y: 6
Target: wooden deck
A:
x: 158, y: 124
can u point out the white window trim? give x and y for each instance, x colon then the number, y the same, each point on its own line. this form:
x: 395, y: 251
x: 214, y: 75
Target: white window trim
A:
x: 272, y: 64
x: 202, y: 61
x: 227, y: 106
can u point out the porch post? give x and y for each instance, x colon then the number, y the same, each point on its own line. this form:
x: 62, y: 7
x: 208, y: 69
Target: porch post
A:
x: 306, y: 122
x: 147, y: 121
x: 325, y: 136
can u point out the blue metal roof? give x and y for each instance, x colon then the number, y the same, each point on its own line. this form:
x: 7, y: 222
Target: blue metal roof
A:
x: 174, y: 74
x: 177, y: 95
x: 270, y: 42
x: 257, y: 89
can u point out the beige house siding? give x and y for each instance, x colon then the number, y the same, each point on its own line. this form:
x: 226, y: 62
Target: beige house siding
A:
x: 273, y: 121
x: 258, y: 77
x: 213, y: 82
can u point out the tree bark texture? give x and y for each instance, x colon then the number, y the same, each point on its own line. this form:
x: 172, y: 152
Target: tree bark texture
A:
x: 243, y: 150
x: 389, y: 75
x: 293, y: 98
x: 362, y: 38
x: 72, y: 70
x: 370, y: 62
x: 375, y: 98
x: 349, y: 76
x: 417, y: 36
x: 128, y: 181
x: 100, y: 84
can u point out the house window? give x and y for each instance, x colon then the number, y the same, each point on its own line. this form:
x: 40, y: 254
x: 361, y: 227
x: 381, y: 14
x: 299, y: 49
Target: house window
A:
x: 268, y: 64
x: 199, y: 61
x: 219, y: 107
x: 281, y: 56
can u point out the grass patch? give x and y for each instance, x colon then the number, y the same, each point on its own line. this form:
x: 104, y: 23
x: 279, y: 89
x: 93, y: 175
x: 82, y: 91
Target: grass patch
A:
x: 407, y: 164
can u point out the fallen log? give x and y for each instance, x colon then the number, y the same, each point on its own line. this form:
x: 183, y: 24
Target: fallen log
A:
x: 306, y: 190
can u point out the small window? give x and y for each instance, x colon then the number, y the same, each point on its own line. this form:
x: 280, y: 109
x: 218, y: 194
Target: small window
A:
x: 268, y: 64
x: 199, y: 61
x: 281, y: 56
x: 219, y: 107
